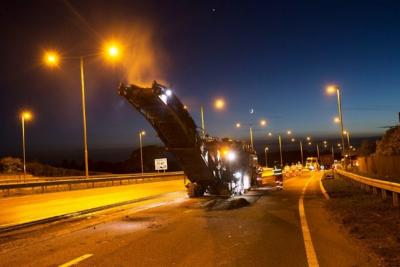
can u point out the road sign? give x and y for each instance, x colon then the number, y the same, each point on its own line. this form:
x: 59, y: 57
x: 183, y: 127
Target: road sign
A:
x: 161, y: 164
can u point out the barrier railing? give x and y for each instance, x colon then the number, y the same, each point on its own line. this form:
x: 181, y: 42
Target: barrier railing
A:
x: 375, y: 185
x: 90, y: 181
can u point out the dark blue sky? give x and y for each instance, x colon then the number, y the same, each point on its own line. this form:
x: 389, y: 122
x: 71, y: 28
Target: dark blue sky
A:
x: 275, y: 57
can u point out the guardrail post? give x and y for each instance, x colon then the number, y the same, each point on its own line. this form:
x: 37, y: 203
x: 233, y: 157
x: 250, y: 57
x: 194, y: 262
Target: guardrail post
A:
x: 367, y: 188
x: 395, y: 198
x: 384, y: 195
x: 70, y: 187
x: 374, y: 190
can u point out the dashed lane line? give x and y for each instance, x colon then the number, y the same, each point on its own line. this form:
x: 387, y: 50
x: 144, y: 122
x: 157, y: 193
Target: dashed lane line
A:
x: 76, y: 260
x: 310, y: 251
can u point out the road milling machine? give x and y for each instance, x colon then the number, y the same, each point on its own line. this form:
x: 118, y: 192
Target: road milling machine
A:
x: 213, y: 165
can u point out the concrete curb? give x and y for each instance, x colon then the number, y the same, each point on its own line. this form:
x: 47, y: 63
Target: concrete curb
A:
x: 323, y: 190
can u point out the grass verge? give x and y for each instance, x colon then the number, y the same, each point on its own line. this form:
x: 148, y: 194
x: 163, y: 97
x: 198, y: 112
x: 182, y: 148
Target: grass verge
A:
x: 366, y: 217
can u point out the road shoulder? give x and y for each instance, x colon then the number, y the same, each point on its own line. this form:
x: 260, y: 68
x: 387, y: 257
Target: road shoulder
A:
x: 366, y: 218
x: 334, y: 247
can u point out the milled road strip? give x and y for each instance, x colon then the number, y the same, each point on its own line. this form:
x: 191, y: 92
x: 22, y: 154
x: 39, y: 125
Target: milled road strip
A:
x: 310, y: 251
x: 7, y: 228
x: 75, y: 261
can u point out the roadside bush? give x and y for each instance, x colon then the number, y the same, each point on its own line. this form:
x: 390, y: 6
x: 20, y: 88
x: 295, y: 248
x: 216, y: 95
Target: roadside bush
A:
x: 367, y: 148
x: 39, y: 169
x: 389, y: 145
x: 10, y: 164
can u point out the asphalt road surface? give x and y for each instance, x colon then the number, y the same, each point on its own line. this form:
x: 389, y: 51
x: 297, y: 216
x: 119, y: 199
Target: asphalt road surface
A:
x: 172, y: 230
x: 17, y: 210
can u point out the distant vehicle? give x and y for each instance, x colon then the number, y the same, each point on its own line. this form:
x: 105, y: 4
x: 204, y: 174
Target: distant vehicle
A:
x: 328, y: 174
x: 337, y: 165
x: 287, y: 171
x: 312, y: 163
x: 326, y: 160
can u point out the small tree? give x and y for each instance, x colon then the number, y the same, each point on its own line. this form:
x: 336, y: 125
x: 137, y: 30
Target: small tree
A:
x: 389, y: 145
x: 10, y: 164
x: 367, y: 148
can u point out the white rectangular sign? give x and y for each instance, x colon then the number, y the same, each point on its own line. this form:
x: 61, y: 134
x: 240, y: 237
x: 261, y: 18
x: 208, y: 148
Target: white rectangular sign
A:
x: 161, y: 164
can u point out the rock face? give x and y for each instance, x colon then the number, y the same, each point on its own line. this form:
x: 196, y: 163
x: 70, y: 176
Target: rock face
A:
x: 389, y: 145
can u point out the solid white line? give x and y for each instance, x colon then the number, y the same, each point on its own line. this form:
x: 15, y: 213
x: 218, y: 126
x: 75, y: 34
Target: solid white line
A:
x: 75, y: 261
x: 321, y: 186
x: 310, y: 251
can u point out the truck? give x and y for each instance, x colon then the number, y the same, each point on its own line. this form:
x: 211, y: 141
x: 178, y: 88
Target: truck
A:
x: 215, y: 166
x: 326, y: 160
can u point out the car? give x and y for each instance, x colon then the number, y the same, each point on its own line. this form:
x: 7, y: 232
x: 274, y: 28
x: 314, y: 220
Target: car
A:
x: 328, y: 175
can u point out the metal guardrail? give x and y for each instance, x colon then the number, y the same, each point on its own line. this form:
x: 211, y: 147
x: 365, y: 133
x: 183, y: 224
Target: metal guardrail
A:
x: 375, y: 185
x: 94, y: 179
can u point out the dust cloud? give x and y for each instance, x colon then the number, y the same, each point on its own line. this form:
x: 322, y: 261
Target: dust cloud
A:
x: 143, y: 59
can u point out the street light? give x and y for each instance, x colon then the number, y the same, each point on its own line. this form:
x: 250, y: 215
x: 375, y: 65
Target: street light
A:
x: 262, y: 124
x: 336, y: 120
x: 141, y: 134
x: 52, y: 59
x: 112, y: 50
x: 331, y: 90
x: 219, y: 103
x: 266, y: 156
x: 25, y: 116
x: 280, y: 144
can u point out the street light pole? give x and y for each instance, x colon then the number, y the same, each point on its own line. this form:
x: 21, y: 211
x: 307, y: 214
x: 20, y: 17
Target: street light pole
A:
x: 86, y: 154
x: 23, y: 145
x: 301, y: 152
x: 333, y: 154
x: 26, y: 115
x: 348, y: 139
x: 318, y: 152
x: 280, y: 149
x: 332, y: 89
x: 339, y: 99
x: 266, y: 156
x: 202, y: 121
x: 251, y: 137
x: 141, y: 149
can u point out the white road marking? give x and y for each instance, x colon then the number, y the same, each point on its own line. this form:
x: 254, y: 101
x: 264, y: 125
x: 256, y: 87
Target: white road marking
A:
x: 310, y: 251
x: 321, y: 186
x: 76, y: 261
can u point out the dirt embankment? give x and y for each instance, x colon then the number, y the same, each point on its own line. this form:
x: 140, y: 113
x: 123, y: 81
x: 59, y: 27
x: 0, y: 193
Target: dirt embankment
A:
x: 366, y: 217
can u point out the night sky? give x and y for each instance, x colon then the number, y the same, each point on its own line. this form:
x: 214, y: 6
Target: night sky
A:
x: 274, y: 57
